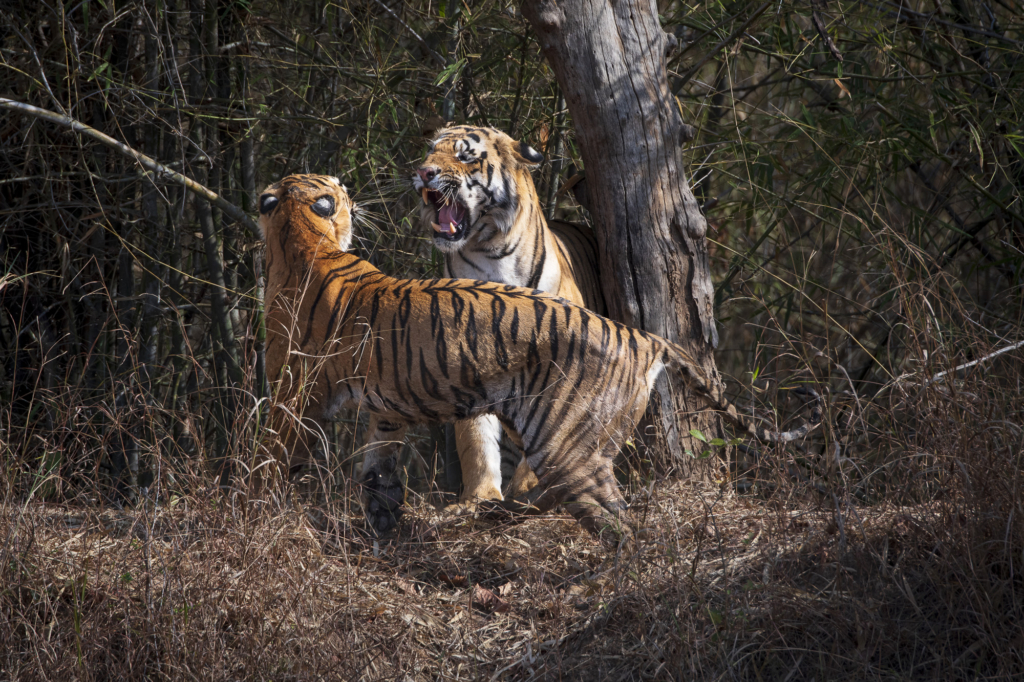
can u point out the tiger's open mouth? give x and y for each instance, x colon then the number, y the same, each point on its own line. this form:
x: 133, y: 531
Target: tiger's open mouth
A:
x: 451, y: 216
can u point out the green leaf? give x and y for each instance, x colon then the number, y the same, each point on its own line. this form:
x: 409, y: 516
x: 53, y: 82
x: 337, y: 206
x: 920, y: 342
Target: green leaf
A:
x: 698, y: 435
x: 449, y: 72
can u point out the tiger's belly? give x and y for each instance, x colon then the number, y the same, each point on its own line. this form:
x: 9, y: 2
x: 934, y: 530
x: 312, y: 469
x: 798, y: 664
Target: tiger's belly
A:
x: 409, y: 405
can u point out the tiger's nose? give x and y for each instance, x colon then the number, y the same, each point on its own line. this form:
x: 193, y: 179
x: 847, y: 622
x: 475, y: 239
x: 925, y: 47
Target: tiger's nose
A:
x: 426, y: 173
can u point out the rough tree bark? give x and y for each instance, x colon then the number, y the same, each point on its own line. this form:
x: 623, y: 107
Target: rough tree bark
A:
x: 609, y: 59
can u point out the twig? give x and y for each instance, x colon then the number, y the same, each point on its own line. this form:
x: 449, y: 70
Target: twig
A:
x: 817, y: 7
x: 717, y: 48
x: 938, y: 376
x: 146, y: 162
x: 438, y: 58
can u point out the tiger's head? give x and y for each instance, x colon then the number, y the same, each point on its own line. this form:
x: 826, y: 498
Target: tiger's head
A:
x: 318, y: 203
x: 473, y: 180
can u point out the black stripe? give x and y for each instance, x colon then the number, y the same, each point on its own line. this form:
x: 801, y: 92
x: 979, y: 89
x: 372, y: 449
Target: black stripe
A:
x: 405, y: 306
x: 458, y: 305
x: 430, y: 384
x: 514, y: 327
x: 375, y: 306
x: 441, y: 352
x: 396, y: 382
x: 471, y: 336
x: 497, y: 315
x: 435, y: 313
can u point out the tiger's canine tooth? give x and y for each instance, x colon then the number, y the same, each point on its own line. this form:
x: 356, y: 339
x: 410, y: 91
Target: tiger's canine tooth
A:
x: 423, y: 193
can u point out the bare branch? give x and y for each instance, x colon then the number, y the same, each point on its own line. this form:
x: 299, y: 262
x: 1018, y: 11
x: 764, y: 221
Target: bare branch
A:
x: 158, y: 169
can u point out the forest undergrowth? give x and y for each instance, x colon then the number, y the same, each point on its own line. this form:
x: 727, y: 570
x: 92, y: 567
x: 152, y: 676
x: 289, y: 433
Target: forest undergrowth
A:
x: 860, y: 166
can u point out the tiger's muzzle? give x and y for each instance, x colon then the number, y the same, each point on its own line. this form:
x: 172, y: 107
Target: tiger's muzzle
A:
x: 451, y: 217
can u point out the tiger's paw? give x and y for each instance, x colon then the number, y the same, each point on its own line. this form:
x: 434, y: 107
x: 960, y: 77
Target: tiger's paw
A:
x: 510, y: 510
x: 382, y: 500
x: 460, y: 508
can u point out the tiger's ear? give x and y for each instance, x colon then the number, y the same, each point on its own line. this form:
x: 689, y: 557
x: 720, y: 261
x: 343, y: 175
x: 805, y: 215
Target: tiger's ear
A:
x: 431, y: 125
x: 526, y: 155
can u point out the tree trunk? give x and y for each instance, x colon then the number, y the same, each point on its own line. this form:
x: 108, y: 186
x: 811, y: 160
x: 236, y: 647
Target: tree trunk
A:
x: 609, y: 59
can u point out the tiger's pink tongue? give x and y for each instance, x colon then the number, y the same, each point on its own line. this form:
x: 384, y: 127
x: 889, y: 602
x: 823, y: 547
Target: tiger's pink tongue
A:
x: 449, y: 217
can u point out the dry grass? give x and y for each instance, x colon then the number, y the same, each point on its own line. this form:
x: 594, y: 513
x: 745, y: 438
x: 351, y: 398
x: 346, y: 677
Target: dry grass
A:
x: 722, y: 586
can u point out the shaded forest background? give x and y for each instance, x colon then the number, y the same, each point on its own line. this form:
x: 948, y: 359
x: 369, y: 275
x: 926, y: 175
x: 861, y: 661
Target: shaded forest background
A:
x: 860, y: 166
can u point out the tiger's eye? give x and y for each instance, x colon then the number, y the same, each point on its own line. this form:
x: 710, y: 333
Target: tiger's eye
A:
x: 268, y: 202
x: 324, y: 207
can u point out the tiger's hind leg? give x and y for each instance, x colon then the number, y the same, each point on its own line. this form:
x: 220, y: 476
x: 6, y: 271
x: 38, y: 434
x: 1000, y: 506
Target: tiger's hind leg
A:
x: 599, y: 506
x: 587, y: 490
x: 523, y: 478
x: 383, y: 491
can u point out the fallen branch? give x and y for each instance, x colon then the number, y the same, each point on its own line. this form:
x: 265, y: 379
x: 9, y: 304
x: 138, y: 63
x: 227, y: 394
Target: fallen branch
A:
x: 158, y: 169
x: 939, y: 376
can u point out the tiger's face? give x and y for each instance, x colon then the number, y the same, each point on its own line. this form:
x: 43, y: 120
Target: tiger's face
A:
x: 471, y: 183
x: 318, y: 203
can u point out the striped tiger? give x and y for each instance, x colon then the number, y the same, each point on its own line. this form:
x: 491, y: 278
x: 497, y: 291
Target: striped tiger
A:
x: 485, y: 217
x: 567, y: 384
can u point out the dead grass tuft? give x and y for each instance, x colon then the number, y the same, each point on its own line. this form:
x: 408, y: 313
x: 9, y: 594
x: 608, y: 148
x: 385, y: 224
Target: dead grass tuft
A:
x: 721, y: 585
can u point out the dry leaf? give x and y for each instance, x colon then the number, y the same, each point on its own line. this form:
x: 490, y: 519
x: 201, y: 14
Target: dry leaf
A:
x: 488, y: 601
x: 457, y: 580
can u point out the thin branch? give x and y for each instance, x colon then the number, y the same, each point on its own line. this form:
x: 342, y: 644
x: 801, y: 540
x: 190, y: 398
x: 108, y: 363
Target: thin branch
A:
x: 158, y: 169
x: 818, y: 7
x: 938, y: 376
x: 438, y: 58
x: 717, y: 48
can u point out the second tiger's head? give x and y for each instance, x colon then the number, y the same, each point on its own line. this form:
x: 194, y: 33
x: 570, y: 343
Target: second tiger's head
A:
x: 316, y: 203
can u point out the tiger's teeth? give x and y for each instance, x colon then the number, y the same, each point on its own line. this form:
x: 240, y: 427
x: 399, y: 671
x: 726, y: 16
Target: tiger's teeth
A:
x: 423, y: 193
x: 451, y: 228
x: 437, y: 228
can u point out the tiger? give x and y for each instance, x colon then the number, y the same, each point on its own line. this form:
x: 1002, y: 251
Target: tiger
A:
x: 568, y: 384
x: 486, y: 219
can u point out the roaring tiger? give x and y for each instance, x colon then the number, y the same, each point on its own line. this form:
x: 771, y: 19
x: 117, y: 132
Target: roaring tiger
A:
x: 487, y: 221
x: 568, y: 383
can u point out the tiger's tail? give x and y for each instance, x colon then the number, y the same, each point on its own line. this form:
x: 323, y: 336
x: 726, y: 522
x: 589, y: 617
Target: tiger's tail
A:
x: 676, y: 358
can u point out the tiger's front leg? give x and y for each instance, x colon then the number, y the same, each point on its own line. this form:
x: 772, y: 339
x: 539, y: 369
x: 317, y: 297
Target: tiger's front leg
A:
x: 382, y: 489
x: 478, y: 441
